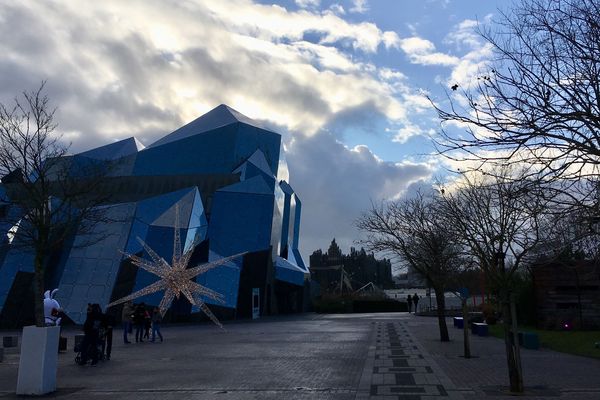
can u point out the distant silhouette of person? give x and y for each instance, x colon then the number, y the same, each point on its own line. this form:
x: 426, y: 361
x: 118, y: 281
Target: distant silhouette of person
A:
x: 415, y: 300
x: 108, y: 323
x: 147, y: 323
x: 156, y: 321
x: 127, y: 318
x: 139, y: 320
x: 409, y: 301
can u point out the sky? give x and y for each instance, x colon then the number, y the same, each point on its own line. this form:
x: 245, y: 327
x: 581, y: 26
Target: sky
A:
x: 344, y: 82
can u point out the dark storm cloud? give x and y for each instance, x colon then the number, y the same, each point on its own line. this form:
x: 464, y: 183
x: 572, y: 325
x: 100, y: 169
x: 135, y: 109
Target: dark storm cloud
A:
x: 366, y: 117
x: 279, y: 87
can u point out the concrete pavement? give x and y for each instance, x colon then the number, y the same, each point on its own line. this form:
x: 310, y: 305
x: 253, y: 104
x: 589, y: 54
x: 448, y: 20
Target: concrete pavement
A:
x: 340, y: 357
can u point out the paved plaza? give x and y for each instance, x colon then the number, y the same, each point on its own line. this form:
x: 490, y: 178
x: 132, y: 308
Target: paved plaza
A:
x: 310, y: 356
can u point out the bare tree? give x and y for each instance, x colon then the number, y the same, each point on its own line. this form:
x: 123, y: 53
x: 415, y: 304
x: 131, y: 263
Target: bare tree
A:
x: 44, y: 197
x: 410, y: 230
x: 498, y: 218
x: 539, y: 100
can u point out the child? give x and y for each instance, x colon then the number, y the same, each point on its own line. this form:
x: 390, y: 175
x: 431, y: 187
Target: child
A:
x: 156, y: 320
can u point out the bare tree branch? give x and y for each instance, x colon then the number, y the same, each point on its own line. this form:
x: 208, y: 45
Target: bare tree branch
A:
x: 42, y: 195
x: 539, y: 100
x: 410, y: 230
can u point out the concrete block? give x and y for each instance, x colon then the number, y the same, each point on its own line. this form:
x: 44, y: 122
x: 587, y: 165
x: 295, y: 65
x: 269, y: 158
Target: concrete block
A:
x: 38, y: 361
x: 458, y: 322
x: 529, y: 340
x: 479, y: 328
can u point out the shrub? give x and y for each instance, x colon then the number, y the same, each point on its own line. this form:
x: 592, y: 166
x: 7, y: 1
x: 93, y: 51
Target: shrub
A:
x: 357, y: 304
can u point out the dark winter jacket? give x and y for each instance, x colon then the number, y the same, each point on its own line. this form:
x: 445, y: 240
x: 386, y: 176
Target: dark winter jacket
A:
x: 139, y: 316
x: 93, y: 321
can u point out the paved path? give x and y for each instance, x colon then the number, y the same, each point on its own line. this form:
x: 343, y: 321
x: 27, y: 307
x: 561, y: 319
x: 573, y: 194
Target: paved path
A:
x: 397, y: 367
x: 338, y: 357
x: 547, y: 374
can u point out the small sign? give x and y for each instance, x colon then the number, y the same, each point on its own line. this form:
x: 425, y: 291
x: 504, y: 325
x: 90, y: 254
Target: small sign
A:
x: 255, y: 303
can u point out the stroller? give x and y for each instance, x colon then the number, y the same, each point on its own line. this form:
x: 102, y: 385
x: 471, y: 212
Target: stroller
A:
x: 98, y: 348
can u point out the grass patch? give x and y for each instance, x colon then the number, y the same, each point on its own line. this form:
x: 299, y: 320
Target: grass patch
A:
x: 580, y: 343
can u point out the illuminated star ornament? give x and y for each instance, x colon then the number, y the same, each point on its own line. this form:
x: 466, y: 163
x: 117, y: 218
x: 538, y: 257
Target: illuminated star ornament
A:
x: 175, y: 278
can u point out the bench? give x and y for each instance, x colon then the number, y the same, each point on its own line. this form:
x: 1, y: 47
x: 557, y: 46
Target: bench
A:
x: 10, y: 341
x: 458, y: 322
x: 479, y: 328
x: 529, y: 340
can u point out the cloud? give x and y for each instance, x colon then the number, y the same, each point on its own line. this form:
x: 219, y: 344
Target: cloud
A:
x: 391, y: 40
x: 359, y: 6
x: 470, y: 67
x: 408, y: 131
x: 422, y: 51
x: 465, y: 34
x: 439, y: 3
x: 465, y: 37
x: 276, y: 23
x: 337, y: 9
x: 147, y: 79
x: 336, y: 184
x: 307, y: 3
x: 389, y: 74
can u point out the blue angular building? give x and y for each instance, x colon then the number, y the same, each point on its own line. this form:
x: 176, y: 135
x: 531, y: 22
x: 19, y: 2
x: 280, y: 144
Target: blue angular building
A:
x: 227, y: 178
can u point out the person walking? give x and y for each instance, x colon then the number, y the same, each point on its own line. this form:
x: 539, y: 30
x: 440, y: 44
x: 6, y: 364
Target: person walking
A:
x: 108, y: 322
x: 415, y: 300
x: 409, y: 301
x: 139, y: 321
x: 127, y: 320
x: 156, y: 321
x: 91, y: 334
x: 147, y: 323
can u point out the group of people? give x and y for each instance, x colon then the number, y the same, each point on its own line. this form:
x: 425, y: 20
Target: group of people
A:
x: 410, y: 300
x: 98, y: 329
x: 143, y: 319
x: 97, y: 335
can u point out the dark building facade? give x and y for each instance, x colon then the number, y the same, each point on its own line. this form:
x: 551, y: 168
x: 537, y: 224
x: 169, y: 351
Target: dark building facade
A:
x: 336, y: 272
x: 567, y: 294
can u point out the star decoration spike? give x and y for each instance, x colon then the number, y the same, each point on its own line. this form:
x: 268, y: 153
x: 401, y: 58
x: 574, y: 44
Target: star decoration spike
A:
x: 176, y: 278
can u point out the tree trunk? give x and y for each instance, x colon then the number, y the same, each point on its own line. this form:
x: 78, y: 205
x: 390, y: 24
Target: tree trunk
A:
x: 38, y: 288
x: 466, y: 342
x: 511, y: 342
x: 578, y: 298
x: 441, y: 314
